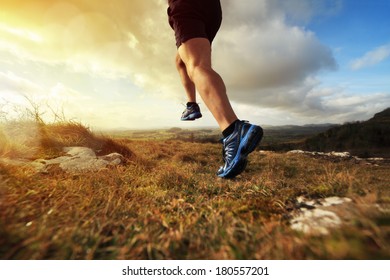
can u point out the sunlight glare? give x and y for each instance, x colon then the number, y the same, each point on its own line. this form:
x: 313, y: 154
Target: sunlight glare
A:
x: 22, y: 33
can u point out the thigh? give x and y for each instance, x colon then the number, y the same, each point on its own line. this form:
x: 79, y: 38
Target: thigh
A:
x: 196, y: 52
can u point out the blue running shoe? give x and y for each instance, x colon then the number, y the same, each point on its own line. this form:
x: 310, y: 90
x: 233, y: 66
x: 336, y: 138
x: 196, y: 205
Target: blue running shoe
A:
x: 237, y: 146
x: 191, y: 113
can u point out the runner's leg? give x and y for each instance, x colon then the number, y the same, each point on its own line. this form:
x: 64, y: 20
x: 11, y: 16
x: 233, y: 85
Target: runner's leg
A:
x: 196, y: 55
x: 188, y: 85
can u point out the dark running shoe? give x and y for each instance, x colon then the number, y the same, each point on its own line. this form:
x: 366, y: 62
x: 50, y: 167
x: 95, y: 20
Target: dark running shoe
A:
x: 191, y: 113
x: 237, y: 146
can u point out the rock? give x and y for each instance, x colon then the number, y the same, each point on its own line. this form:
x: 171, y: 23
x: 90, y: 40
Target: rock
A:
x: 78, y: 159
x: 334, y: 200
x: 331, y: 154
x: 316, y: 221
x: 318, y: 216
x: 113, y: 158
x: 326, y: 202
x: 341, y: 156
x: 296, y: 152
x: 79, y: 151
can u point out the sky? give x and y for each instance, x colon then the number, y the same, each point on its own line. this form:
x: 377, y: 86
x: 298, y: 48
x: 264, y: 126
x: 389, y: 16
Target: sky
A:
x: 110, y: 64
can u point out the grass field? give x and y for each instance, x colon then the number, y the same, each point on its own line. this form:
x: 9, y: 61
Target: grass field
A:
x: 166, y: 202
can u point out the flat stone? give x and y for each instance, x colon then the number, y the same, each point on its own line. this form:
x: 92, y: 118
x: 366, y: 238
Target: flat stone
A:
x: 318, y: 216
x: 316, y: 221
x: 331, y: 154
x: 78, y: 159
x: 334, y: 200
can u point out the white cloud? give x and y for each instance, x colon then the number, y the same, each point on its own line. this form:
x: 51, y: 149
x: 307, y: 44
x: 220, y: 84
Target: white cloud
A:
x: 337, y: 107
x: 125, y: 38
x: 14, y: 94
x: 371, y: 58
x: 18, y: 96
x: 257, y: 12
x: 11, y: 83
x: 273, y: 55
x: 267, y: 62
x: 20, y: 33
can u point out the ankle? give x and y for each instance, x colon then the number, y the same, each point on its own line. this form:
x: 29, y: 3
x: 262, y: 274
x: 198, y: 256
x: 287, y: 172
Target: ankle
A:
x: 229, y: 130
x: 190, y: 103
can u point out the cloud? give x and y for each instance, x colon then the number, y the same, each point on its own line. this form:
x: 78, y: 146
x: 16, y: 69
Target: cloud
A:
x: 371, y: 58
x: 335, y: 106
x: 132, y: 39
x: 267, y: 59
x: 305, y: 10
x: 10, y: 83
x: 18, y: 96
x: 272, y: 55
x: 344, y: 107
x: 296, y: 11
x: 120, y: 39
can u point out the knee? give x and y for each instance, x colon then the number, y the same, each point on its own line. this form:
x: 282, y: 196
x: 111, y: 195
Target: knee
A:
x: 195, y: 70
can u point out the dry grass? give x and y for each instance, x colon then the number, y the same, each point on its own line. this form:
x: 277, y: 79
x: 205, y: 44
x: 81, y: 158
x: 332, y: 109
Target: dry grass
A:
x: 167, y: 203
x: 32, y: 140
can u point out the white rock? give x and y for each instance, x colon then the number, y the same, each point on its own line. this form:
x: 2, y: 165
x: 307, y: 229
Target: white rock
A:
x: 331, y: 154
x: 303, y: 200
x: 79, y: 159
x: 296, y: 152
x: 319, y: 218
x: 334, y: 200
x: 79, y: 151
x: 340, y: 154
x: 316, y: 221
x: 114, y: 158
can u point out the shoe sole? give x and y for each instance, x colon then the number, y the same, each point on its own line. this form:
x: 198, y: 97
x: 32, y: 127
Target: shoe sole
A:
x: 253, y: 137
x: 192, y: 117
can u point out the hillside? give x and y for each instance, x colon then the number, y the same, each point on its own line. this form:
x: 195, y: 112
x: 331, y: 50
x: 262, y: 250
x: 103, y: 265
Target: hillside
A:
x: 368, y: 138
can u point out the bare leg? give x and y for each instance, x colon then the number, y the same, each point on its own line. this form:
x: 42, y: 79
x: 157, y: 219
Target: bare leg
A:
x: 188, y: 85
x: 196, y: 54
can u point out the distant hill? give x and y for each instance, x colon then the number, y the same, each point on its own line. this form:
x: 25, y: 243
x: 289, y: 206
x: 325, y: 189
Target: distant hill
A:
x: 289, y: 137
x: 383, y: 116
x: 368, y: 138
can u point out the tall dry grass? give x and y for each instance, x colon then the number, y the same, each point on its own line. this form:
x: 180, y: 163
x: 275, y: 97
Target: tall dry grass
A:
x: 32, y: 140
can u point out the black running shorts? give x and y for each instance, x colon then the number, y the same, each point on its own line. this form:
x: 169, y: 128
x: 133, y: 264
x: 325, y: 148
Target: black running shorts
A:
x: 194, y: 19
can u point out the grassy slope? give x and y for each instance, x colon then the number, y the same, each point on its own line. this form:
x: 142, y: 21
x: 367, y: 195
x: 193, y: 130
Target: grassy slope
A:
x: 167, y: 203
